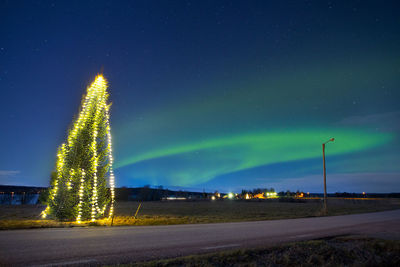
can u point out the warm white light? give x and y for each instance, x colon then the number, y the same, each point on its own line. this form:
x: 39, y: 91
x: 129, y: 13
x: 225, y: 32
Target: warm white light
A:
x: 94, y: 104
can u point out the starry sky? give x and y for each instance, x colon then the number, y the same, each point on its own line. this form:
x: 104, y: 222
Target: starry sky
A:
x: 208, y: 95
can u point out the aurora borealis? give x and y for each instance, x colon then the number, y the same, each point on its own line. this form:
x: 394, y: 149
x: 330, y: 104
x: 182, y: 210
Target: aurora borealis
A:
x: 225, y: 95
x: 259, y: 149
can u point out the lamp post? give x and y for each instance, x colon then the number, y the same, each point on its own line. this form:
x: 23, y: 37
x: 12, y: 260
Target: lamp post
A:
x: 323, y: 160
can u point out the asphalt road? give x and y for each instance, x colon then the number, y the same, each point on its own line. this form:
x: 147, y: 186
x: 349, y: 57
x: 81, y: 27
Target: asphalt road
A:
x: 108, y: 245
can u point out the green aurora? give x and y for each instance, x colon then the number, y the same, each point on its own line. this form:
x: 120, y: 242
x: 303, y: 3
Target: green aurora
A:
x: 206, y: 159
x: 220, y: 130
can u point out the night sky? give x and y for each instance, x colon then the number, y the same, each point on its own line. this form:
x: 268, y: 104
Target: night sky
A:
x: 213, y: 95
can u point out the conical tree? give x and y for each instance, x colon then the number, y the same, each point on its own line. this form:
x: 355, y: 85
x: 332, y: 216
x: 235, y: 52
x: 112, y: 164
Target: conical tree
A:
x: 78, y: 187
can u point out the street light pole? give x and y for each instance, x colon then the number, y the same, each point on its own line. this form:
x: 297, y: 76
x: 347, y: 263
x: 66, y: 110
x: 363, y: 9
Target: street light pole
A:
x: 323, y: 160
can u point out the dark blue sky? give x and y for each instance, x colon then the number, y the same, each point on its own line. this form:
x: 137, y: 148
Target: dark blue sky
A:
x: 220, y: 95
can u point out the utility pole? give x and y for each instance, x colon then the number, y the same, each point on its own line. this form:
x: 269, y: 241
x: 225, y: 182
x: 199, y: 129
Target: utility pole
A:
x: 324, y: 166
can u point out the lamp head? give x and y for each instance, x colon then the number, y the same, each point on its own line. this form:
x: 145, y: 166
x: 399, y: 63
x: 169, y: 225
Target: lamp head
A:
x: 330, y: 140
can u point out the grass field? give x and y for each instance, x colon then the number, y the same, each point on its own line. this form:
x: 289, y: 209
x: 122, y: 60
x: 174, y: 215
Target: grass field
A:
x: 183, y: 212
x: 339, y: 251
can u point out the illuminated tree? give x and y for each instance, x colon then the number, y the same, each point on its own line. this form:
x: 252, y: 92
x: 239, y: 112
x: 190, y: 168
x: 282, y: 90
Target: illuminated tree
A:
x: 78, y: 188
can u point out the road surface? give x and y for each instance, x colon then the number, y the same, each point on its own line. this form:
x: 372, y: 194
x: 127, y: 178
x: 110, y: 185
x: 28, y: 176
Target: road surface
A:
x: 108, y: 245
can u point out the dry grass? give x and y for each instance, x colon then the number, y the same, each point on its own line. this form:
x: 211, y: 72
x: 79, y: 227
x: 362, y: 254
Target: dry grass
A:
x: 231, y: 211
x: 184, y: 212
x: 342, y: 251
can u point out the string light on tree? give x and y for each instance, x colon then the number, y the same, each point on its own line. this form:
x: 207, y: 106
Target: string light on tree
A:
x: 79, y: 189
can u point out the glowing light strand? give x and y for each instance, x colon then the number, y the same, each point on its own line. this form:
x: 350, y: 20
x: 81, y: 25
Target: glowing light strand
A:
x: 95, y: 207
x: 110, y: 158
x: 95, y: 99
x: 82, y: 182
x: 70, y: 178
